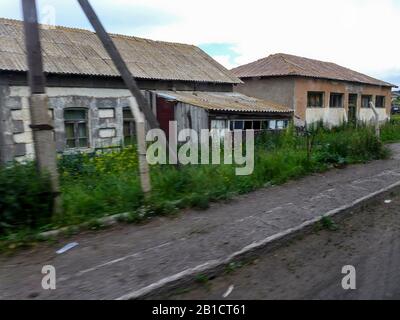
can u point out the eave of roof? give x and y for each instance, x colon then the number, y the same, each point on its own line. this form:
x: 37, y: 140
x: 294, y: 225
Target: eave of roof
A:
x: 224, y: 101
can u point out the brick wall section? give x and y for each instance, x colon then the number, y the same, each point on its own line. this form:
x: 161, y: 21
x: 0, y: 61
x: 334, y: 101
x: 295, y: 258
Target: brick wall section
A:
x: 279, y: 90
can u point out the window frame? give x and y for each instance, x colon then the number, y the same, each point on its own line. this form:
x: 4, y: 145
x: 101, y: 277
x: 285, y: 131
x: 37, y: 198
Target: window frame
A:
x: 369, y: 96
x: 322, y: 93
x: 383, y: 102
x: 264, y: 124
x: 75, y: 123
x: 131, y: 123
x: 331, y: 100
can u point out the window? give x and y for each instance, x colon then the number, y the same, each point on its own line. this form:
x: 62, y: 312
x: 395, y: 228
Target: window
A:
x: 315, y: 100
x: 272, y: 124
x: 336, y: 100
x: 76, y: 130
x: 129, y: 127
x: 258, y: 125
x: 380, y: 102
x: 365, y: 101
x: 248, y: 125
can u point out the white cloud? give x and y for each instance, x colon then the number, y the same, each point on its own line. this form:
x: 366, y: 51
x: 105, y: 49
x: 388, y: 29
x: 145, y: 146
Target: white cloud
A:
x: 359, y: 34
x: 225, y: 61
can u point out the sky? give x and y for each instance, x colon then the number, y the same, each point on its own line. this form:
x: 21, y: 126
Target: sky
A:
x: 363, y: 35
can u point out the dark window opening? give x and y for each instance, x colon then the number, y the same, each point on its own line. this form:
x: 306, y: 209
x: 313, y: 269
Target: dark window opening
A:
x: 315, y: 100
x: 76, y: 130
x: 380, y: 102
x: 257, y: 125
x: 248, y: 125
x: 129, y: 127
x: 365, y: 101
x: 336, y: 100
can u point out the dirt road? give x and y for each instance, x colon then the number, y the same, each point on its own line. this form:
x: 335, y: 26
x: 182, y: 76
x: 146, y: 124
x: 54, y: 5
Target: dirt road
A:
x: 310, y: 268
x: 127, y: 259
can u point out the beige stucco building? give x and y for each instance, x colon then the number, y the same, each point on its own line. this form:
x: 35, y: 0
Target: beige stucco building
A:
x: 315, y: 90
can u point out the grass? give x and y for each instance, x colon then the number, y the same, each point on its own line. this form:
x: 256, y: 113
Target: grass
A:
x: 94, y: 186
x: 390, y: 132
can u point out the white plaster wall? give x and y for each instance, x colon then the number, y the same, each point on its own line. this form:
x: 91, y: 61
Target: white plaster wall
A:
x: 314, y: 115
x: 107, y: 133
x: 106, y: 113
x: 24, y: 91
x: 330, y: 116
x: 367, y: 115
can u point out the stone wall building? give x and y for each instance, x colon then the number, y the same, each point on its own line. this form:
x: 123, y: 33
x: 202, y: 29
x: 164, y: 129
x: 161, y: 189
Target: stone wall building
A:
x: 315, y: 90
x: 88, y: 100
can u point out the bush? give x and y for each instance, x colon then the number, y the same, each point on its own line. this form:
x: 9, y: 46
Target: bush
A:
x: 390, y: 132
x: 94, y: 185
x: 25, y: 198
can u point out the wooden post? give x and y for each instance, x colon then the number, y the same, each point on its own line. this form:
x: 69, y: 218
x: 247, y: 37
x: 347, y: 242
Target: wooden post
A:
x: 376, y: 120
x: 130, y: 83
x: 141, y: 144
x: 119, y: 63
x: 41, y: 123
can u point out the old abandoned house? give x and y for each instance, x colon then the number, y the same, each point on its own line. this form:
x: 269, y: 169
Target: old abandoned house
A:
x: 89, y: 102
x: 315, y: 90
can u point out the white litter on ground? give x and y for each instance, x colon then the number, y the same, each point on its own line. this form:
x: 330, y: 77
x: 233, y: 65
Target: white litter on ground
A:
x: 388, y: 201
x: 69, y: 246
x: 228, y: 292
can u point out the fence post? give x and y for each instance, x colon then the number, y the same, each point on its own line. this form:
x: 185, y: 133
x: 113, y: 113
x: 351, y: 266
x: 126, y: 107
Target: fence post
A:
x: 376, y: 120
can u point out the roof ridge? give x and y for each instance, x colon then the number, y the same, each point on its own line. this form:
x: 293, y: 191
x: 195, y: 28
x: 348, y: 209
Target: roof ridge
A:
x: 289, y: 63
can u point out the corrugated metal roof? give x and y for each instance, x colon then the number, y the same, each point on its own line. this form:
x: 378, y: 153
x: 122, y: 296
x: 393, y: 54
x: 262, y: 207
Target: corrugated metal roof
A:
x: 223, y: 101
x: 76, y: 51
x: 288, y: 65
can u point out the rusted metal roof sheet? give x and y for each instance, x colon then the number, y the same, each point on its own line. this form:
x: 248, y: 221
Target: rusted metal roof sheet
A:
x: 223, y: 101
x: 288, y: 65
x: 80, y: 52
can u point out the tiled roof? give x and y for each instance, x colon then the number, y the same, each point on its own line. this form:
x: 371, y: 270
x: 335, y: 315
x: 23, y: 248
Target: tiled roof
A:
x: 80, y: 52
x: 288, y: 65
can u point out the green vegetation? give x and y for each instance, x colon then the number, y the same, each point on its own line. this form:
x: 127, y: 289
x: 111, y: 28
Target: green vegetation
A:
x: 390, y: 132
x: 396, y: 102
x: 97, y: 185
x: 328, y: 224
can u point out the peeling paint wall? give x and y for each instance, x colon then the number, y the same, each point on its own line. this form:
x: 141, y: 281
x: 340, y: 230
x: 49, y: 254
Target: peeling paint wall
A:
x: 104, y: 109
x: 292, y: 92
x: 367, y: 115
x: 334, y: 116
x: 330, y: 116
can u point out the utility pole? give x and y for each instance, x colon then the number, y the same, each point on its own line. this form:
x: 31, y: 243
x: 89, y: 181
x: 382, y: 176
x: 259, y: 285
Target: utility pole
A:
x: 137, y: 95
x: 41, y: 123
